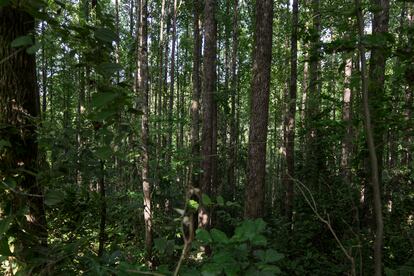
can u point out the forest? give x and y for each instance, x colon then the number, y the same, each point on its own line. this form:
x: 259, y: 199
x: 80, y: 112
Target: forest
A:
x: 207, y: 137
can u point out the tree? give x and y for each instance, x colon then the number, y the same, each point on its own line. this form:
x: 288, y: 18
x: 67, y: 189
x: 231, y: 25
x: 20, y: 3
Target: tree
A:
x: 196, y: 92
x: 143, y: 91
x: 289, y: 123
x: 373, y: 158
x: 19, y: 114
x: 209, y: 131
x: 259, y: 109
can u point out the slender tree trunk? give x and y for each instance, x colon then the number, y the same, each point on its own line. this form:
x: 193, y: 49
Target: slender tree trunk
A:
x: 19, y: 110
x: 376, y: 91
x: 409, y: 93
x: 314, y: 157
x: 234, y: 91
x: 259, y: 109
x: 209, y: 132
x: 143, y: 91
x: 290, y: 118
x: 346, y: 117
x: 369, y: 130
x: 44, y: 75
x: 195, y: 99
x: 102, y: 199
x: 172, y: 84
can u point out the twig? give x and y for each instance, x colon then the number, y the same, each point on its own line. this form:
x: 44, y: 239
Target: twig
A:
x: 312, y: 204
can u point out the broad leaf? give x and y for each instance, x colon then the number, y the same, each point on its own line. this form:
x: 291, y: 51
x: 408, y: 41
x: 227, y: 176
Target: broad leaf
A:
x: 22, y: 41
x: 54, y: 197
x: 105, y: 35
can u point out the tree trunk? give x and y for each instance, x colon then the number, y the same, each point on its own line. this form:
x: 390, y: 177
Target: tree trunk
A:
x: 314, y: 157
x: 143, y: 91
x: 234, y: 92
x: 346, y: 117
x: 409, y: 93
x: 259, y: 109
x: 373, y: 159
x: 172, y: 83
x: 195, y: 99
x: 290, y: 117
x: 209, y: 142
x: 19, y: 109
x: 376, y: 91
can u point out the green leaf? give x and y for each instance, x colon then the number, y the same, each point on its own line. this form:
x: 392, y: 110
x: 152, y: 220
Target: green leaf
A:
x: 101, y: 99
x: 4, y: 247
x: 193, y: 204
x: 203, y: 236
x: 5, y: 224
x: 33, y: 49
x: 220, y: 200
x: 105, y: 35
x: 5, y: 143
x: 54, y: 197
x: 259, y: 240
x: 219, y: 236
x: 24, y: 40
x: 260, y: 225
x: 160, y: 245
x: 108, y: 68
x: 4, y: 2
x: 206, y: 200
x: 272, y: 256
x: 103, y: 153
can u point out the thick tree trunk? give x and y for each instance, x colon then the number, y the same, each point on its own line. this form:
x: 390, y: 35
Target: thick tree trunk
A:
x: 19, y: 109
x: 291, y: 109
x: 143, y: 91
x: 209, y: 132
x: 259, y: 109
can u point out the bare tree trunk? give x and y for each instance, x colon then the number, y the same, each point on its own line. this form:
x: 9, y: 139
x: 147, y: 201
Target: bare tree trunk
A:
x: 314, y: 159
x: 375, y: 180
x: 409, y: 93
x: 234, y: 92
x: 19, y: 110
x: 172, y: 83
x: 376, y: 91
x: 259, y: 110
x: 102, y: 206
x: 143, y: 91
x: 290, y: 117
x: 195, y: 99
x: 346, y: 117
x: 209, y: 132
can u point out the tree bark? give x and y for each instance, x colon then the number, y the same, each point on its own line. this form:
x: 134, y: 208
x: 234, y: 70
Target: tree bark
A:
x: 376, y: 91
x: 19, y: 109
x: 290, y: 117
x: 234, y: 93
x: 314, y: 157
x: 259, y: 109
x: 143, y: 91
x: 346, y: 117
x: 373, y: 159
x: 195, y: 99
x: 172, y: 83
x: 209, y: 137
